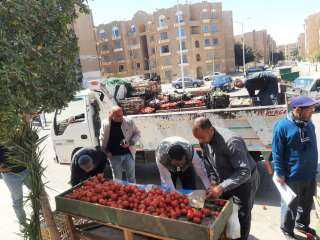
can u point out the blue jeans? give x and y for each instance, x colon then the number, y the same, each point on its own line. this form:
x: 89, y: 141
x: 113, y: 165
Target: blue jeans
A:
x: 298, y: 212
x: 120, y: 163
x: 14, y: 183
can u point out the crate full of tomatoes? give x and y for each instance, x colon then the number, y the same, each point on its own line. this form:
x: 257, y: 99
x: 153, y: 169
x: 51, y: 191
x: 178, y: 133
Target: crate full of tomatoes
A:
x: 167, y: 214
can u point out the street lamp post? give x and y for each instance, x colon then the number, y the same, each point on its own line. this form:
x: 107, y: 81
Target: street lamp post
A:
x: 243, y: 51
x: 180, y: 46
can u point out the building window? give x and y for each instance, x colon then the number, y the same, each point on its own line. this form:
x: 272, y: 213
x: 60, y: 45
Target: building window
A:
x: 183, y: 45
x: 162, y: 21
x: 213, y: 14
x: 167, y: 61
x: 138, y: 65
x: 210, y: 55
x: 115, y: 32
x: 205, y: 29
x: 103, y: 34
x: 204, y: 14
x: 164, y: 49
x: 163, y: 35
x: 104, y: 47
x: 214, y: 28
x: 153, y: 50
x: 207, y: 42
x: 108, y: 69
x: 198, y: 57
x: 215, y: 41
x: 184, y: 58
x: 106, y: 58
x: 197, y: 44
x: 151, y: 38
x: 121, y: 68
x: 132, y: 28
x: 182, y: 32
x: 117, y: 44
x: 119, y: 57
x: 168, y: 75
x: 179, y: 17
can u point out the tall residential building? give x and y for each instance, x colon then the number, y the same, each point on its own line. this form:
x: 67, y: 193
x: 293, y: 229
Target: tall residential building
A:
x: 87, y: 43
x: 302, y: 45
x: 149, y: 43
x: 290, y: 51
x: 260, y: 42
x: 312, y: 31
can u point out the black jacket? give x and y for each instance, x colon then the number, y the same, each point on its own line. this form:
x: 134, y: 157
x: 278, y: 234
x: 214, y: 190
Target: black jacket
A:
x: 100, y: 162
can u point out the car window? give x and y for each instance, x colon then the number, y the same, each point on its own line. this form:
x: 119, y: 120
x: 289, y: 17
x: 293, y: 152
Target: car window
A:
x: 303, y: 83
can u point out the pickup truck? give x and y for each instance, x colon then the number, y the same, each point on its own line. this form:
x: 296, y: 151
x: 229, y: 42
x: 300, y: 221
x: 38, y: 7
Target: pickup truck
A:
x: 90, y: 107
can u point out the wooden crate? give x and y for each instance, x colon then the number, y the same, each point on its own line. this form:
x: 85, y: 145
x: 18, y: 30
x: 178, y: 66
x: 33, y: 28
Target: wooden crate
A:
x: 149, y: 224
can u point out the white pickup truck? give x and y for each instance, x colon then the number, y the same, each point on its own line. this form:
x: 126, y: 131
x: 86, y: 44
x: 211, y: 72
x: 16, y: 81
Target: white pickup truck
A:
x: 90, y: 107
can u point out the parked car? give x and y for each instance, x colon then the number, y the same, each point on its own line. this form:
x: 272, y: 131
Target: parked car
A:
x: 188, y: 81
x: 307, y: 84
x: 211, y: 77
x: 252, y: 70
x: 223, y: 82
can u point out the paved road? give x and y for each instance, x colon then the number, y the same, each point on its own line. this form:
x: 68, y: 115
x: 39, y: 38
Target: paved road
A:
x: 265, y: 219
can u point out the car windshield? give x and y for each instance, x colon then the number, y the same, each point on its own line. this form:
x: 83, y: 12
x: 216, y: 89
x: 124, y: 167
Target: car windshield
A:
x: 76, y: 107
x: 221, y: 79
x: 303, y: 83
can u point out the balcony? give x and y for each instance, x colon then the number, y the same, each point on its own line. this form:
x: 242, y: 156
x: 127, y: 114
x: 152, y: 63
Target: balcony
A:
x: 183, y: 51
x: 166, y: 67
x: 118, y: 49
x: 132, y: 47
x: 176, y: 25
x: 163, y: 28
x: 209, y: 48
x: 105, y: 52
x: 116, y: 38
x: 164, y: 41
x: 165, y: 54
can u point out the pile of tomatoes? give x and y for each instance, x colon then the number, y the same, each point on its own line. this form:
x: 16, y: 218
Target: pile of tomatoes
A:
x: 155, y: 202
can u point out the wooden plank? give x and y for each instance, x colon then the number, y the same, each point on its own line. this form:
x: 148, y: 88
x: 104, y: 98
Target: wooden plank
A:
x: 128, y: 235
x: 71, y: 228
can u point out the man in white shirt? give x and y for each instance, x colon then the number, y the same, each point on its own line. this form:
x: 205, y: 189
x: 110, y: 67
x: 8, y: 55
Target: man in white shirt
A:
x: 175, y: 159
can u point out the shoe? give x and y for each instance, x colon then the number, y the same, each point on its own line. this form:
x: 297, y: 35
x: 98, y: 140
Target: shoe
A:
x: 288, y: 236
x: 306, y: 230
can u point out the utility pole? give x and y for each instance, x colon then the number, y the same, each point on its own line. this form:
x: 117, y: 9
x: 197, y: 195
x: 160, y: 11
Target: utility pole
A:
x: 243, y: 50
x: 180, y: 46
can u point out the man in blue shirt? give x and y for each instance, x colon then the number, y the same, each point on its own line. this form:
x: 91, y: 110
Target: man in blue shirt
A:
x: 295, y: 159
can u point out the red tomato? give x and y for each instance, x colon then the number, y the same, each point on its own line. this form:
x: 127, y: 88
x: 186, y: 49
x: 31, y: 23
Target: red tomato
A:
x: 196, y: 220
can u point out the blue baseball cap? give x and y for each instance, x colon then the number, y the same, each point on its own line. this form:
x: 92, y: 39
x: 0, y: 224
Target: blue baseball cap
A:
x: 303, y: 101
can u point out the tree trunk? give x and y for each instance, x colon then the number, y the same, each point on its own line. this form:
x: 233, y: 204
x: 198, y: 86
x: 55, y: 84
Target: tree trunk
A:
x: 48, y: 216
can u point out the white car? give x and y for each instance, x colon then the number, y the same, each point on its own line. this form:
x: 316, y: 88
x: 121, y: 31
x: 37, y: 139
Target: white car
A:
x: 210, y: 77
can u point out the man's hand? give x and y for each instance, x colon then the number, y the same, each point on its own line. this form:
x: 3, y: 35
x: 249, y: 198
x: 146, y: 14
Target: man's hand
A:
x: 71, y: 120
x: 109, y: 155
x: 4, y: 170
x: 280, y: 180
x: 214, y: 191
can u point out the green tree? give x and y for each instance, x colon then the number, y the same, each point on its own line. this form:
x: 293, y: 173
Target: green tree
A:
x: 238, y: 54
x: 38, y: 73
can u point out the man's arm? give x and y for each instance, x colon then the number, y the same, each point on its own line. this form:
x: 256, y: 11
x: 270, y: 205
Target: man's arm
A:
x: 136, y: 135
x: 240, y: 163
x: 102, y: 137
x: 277, y: 151
x: 200, y: 169
x: 165, y: 176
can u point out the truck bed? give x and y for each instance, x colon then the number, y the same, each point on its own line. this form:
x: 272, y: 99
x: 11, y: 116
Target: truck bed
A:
x: 253, y: 124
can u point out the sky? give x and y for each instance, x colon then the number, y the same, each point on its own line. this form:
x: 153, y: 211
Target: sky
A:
x: 283, y: 19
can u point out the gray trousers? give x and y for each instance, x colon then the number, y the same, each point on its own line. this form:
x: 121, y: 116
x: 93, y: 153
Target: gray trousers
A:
x: 298, y: 212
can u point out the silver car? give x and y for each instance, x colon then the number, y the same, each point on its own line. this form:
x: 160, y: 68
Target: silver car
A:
x: 188, y: 81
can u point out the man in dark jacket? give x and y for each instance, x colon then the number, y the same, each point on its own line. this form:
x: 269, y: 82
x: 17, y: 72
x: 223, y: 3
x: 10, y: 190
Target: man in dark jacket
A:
x: 266, y: 83
x: 86, y: 163
x: 234, y: 171
x: 295, y: 159
x: 14, y: 177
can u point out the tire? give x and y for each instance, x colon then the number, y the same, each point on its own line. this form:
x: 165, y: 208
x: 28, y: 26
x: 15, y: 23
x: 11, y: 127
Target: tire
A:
x: 177, y: 86
x: 195, y: 85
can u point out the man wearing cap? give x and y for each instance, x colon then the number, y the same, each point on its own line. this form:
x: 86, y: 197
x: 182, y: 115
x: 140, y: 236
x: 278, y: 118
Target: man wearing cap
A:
x: 295, y: 159
x: 176, y: 159
x: 266, y: 83
x: 86, y: 163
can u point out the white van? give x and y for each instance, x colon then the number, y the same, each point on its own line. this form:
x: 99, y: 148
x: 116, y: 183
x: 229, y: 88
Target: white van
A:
x: 67, y: 136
